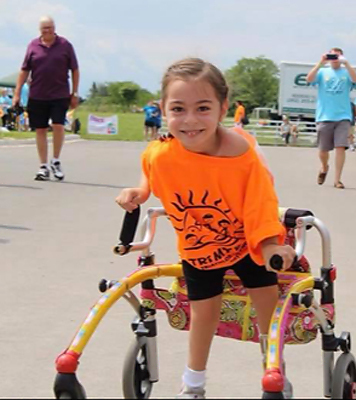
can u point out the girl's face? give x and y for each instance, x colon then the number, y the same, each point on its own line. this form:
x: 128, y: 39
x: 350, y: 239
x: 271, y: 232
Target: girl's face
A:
x: 193, y: 113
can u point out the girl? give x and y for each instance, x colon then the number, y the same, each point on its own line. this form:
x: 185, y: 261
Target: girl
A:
x: 206, y: 175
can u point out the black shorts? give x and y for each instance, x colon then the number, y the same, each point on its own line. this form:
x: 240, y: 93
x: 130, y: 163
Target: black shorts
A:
x: 204, y: 284
x: 152, y: 124
x: 41, y: 111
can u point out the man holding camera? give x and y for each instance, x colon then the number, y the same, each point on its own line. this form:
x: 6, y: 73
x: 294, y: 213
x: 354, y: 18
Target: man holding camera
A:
x: 333, y: 112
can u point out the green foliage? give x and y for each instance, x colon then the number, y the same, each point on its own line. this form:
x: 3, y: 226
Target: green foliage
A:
x: 123, y: 93
x: 94, y: 90
x: 118, y: 96
x: 254, y: 81
x: 143, y: 97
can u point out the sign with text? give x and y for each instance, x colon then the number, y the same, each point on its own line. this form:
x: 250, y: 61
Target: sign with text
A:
x: 103, y: 125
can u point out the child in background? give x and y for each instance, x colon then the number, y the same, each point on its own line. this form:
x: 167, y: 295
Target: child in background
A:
x: 240, y: 114
x: 286, y: 129
x: 205, y: 174
x: 152, y: 120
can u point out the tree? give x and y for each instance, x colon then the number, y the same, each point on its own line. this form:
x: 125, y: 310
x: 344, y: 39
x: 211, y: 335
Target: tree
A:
x: 254, y: 81
x: 94, y: 90
x: 126, y: 95
x: 123, y: 93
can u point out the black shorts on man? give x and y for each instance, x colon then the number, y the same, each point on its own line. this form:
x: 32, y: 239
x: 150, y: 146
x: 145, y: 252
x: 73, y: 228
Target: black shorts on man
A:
x: 42, y: 111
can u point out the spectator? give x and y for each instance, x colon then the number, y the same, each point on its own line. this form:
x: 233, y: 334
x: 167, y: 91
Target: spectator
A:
x: 333, y: 113
x: 240, y: 113
x: 24, y: 95
x: 5, y: 104
x: 352, y: 127
x: 49, y: 59
x: 152, y: 120
x: 157, y: 114
x: 286, y: 129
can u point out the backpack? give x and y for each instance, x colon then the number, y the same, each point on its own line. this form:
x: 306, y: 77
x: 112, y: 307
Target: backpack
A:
x: 245, y: 120
x: 76, y: 125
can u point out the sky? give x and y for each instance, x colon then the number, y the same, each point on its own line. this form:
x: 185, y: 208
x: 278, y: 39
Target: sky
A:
x: 136, y: 40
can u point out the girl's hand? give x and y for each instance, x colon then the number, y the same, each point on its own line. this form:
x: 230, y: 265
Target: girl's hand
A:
x: 129, y: 199
x: 286, y: 252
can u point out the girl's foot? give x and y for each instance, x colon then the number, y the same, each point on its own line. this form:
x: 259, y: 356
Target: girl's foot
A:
x: 191, y: 393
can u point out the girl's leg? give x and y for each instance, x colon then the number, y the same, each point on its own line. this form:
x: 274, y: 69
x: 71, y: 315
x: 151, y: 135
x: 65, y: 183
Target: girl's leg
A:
x: 264, y: 300
x: 205, y: 316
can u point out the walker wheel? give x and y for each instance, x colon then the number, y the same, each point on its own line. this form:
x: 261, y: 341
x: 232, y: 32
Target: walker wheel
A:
x: 272, y: 395
x: 67, y: 386
x: 344, y: 378
x: 136, y: 376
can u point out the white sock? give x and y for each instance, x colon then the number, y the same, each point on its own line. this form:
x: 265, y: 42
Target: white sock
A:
x: 55, y: 160
x: 194, y: 379
x: 44, y: 165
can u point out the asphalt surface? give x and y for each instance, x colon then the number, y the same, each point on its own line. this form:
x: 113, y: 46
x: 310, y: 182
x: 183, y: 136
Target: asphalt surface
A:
x: 55, y: 246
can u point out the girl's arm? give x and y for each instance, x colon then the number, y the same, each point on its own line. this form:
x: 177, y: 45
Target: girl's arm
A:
x: 130, y: 198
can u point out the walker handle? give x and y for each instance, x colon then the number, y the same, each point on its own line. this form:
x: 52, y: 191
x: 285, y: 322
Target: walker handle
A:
x: 128, y: 231
x: 276, y: 262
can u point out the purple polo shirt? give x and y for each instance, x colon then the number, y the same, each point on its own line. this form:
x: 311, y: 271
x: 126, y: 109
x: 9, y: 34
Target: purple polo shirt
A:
x: 49, y: 68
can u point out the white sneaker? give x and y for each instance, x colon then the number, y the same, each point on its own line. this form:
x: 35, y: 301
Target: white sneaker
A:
x: 191, y: 393
x: 57, y: 170
x: 42, y: 174
x: 288, y: 389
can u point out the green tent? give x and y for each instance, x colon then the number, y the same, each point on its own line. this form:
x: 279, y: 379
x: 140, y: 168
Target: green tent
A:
x: 9, y: 81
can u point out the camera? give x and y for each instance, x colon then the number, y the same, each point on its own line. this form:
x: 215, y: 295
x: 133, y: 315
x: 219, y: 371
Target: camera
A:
x: 332, y: 56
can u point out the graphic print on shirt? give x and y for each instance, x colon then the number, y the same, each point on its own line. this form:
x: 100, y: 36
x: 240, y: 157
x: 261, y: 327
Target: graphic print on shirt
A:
x: 210, y: 233
x: 335, y: 85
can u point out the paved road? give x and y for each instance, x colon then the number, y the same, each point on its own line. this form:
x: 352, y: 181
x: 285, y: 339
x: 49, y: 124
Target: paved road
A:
x: 55, y: 245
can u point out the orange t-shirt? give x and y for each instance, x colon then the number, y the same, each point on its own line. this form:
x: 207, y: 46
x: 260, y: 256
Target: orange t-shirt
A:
x: 221, y: 207
x: 239, y: 113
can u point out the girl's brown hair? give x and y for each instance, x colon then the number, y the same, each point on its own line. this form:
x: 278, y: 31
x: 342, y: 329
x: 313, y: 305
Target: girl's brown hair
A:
x: 196, y: 68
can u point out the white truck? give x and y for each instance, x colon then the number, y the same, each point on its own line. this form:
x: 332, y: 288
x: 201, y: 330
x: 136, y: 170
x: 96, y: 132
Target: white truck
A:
x: 297, y: 98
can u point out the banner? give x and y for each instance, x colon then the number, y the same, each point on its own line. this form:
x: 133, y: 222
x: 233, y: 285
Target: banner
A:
x: 103, y: 125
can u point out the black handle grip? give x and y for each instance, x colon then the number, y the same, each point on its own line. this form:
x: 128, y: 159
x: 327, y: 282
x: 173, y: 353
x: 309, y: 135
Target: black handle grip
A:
x: 276, y: 262
x: 129, y: 226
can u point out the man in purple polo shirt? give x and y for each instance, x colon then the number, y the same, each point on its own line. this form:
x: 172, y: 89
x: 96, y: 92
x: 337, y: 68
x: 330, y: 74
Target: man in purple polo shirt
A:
x: 48, y: 59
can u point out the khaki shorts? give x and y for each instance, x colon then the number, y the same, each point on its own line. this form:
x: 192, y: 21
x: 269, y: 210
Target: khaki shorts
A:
x: 333, y: 134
